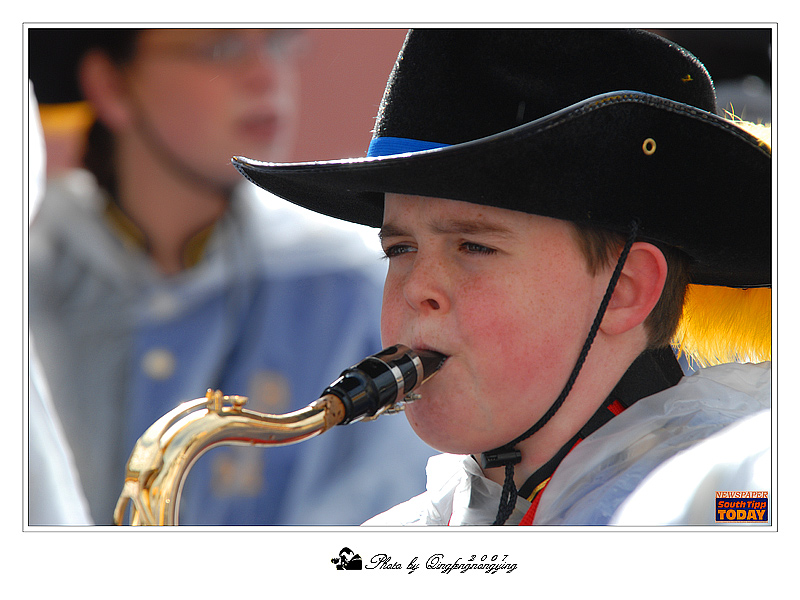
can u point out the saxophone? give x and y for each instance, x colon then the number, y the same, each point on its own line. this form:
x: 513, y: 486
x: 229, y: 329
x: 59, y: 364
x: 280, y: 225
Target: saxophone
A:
x: 162, y: 457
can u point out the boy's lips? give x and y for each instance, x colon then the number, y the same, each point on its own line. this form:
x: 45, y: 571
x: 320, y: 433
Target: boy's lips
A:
x: 427, y: 348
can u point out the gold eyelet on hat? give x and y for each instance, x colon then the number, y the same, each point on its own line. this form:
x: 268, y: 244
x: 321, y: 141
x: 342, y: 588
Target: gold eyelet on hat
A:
x: 649, y: 146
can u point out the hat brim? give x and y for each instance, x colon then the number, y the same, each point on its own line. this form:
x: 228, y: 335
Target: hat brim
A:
x: 693, y: 180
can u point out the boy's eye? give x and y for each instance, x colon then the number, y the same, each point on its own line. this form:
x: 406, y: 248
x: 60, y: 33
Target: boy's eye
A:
x: 474, y: 248
x: 397, y: 250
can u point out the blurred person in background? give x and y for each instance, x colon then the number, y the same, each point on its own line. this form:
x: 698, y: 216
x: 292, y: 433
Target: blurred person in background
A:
x: 155, y: 274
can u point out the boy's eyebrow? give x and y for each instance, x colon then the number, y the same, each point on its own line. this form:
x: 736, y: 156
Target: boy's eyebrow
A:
x: 454, y: 226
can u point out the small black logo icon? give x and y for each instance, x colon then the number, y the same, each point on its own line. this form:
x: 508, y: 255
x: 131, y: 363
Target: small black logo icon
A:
x: 347, y: 561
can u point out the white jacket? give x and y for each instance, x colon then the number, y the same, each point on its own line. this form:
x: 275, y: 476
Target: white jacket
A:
x: 659, y: 462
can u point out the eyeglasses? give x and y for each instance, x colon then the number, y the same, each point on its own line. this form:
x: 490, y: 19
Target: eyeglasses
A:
x: 232, y: 48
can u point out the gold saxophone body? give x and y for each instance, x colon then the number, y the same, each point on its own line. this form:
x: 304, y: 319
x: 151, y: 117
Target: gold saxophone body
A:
x: 162, y: 457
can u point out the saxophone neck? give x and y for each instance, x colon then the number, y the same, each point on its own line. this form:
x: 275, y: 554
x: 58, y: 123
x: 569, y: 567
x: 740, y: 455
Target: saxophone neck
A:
x: 162, y: 457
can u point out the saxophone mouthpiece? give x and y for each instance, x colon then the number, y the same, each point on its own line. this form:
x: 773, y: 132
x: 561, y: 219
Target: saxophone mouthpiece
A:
x: 380, y: 382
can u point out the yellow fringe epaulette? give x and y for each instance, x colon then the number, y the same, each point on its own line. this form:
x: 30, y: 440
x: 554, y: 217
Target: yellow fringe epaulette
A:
x: 721, y: 324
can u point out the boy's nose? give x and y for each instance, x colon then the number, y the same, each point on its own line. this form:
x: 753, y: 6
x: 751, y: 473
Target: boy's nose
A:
x: 426, y: 288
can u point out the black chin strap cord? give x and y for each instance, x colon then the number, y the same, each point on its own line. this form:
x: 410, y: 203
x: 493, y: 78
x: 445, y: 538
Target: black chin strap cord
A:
x: 507, y: 455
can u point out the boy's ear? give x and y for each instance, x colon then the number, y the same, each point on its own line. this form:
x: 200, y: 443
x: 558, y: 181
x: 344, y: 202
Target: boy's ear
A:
x: 104, y: 88
x: 638, y: 289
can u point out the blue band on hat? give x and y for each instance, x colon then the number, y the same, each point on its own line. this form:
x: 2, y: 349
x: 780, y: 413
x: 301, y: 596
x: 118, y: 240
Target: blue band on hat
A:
x: 386, y: 146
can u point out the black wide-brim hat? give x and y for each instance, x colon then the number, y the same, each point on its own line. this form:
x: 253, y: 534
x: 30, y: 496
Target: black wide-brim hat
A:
x: 594, y: 126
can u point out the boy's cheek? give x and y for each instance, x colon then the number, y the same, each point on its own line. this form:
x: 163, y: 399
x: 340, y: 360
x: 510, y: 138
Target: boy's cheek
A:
x: 392, y: 309
x: 389, y: 327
